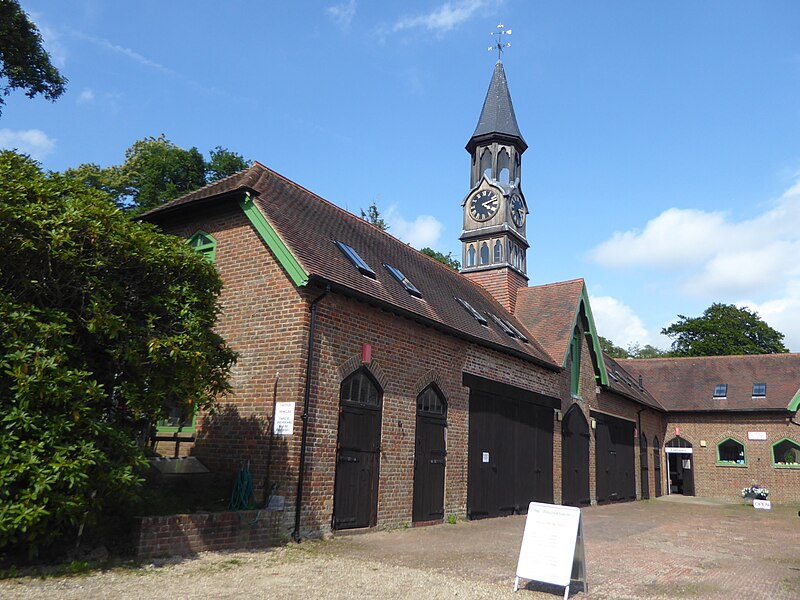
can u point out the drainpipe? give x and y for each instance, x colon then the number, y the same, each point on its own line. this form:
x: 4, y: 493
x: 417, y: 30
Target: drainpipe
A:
x: 306, y: 402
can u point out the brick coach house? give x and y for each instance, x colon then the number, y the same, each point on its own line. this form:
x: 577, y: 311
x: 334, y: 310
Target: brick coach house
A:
x: 377, y: 387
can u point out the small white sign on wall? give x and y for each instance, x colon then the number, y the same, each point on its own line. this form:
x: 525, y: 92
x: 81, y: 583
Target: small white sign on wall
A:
x: 485, y: 457
x: 756, y: 435
x: 283, y: 422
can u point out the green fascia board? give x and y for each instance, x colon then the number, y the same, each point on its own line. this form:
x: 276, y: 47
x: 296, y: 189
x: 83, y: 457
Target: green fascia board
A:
x: 273, y: 241
x: 600, y: 365
x: 795, y: 403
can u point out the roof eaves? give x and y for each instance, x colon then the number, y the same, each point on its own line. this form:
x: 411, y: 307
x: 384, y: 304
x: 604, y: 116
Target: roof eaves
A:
x: 599, y: 363
x: 795, y: 403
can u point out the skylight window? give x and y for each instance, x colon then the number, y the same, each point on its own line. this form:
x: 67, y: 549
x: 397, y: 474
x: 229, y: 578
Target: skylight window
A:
x: 472, y: 311
x: 759, y: 390
x: 516, y: 331
x: 354, y: 258
x: 397, y: 274
x: 721, y: 390
x: 502, y: 324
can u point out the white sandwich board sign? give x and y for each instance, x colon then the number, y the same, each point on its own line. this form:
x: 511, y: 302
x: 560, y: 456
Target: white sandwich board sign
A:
x: 552, y: 547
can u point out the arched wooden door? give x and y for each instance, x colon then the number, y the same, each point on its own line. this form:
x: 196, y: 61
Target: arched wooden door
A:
x: 429, y: 456
x: 644, y: 472
x: 657, y: 465
x: 575, y: 458
x: 355, y: 496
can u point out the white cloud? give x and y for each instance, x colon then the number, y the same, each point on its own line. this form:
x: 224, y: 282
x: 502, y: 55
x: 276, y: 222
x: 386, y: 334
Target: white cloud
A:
x: 781, y: 313
x: 342, y: 14
x: 128, y: 52
x: 448, y: 16
x: 423, y: 231
x: 617, y: 322
x: 34, y: 142
x: 86, y: 97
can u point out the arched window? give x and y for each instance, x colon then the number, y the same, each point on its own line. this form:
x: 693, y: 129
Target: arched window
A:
x: 359, y: 388
x: 786, y: 453
x: 431, y: 403
x: 471, y: 256
x: 498, y: 251
x: 730, y: 452
x: 484, y: 253
x: 486, y: 163
x: 503, y: 163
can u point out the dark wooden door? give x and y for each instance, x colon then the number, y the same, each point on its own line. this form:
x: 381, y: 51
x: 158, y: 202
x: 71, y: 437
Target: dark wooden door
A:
x: 657, y: 466
x: 615, y: 461
x: 644, y: 473
x: 687, y: 464
x: 575, y: 459
x: 355, y: 499
x: 429, y: 457
x: 510, y: 462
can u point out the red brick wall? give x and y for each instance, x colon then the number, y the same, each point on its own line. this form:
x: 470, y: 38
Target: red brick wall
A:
x: 726, y: 482
x: 200, y: 532
x: 502, y: 283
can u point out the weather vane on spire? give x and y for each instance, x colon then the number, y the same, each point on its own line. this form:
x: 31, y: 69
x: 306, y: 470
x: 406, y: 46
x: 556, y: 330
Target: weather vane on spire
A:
x: 499, y: 45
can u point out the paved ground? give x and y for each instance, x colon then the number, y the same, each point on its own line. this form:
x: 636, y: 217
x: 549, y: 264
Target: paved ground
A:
x: 669, y: 548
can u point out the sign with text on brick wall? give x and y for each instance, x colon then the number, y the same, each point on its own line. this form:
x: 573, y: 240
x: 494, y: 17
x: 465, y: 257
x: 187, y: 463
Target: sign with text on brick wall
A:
x: 552, y: 547
x: 283, y: 422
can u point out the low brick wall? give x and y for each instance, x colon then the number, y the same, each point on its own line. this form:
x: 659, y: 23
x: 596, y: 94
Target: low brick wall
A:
x: 188, y: 534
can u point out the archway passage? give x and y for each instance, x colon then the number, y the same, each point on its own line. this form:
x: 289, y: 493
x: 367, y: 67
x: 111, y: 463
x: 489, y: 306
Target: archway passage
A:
x: 681, y: 472
x: 355, y: 496
x: 430, y: 456
x: 575, y: 458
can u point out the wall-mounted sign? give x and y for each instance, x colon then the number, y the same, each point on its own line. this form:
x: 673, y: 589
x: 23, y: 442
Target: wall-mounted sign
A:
x: 283, y: 422
x: 756, y: 435
x: 485, y: 457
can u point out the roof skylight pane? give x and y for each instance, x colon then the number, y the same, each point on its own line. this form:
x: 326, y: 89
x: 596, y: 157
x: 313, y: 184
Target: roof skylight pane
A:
x: 354, y: 258
x: 516, y: 331
x: 759, y: 389
x: 721, y: 390
x: 397, y: 274
x: 472, y: 311
x: 502, y: 324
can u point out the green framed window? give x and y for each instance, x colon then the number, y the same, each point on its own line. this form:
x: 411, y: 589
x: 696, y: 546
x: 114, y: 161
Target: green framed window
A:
x: 786, y: 454
x: 731, y: 453
x: 181, y: 417
x: 205, y: 244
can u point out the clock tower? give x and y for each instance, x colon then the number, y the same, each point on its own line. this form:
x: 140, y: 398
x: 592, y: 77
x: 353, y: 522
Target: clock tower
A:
x: 493, y: 239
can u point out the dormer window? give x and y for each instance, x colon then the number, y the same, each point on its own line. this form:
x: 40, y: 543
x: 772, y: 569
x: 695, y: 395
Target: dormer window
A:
x: 397, y: 274
x: 721, y: 390
x: 759, y: 390
x: 354, y: 258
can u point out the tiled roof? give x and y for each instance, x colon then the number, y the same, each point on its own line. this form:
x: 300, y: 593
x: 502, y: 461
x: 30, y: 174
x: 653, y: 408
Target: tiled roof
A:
x: 308, y: 225
x: 687, y: 384
x: 497, y: 115
x: 548, y: 311
x: 625, y: 384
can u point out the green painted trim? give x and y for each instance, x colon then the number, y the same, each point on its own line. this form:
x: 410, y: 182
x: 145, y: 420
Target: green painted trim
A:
x: 271, y: 238
x: 795, y: 403
x: 784, y: 465
x: 600, y: 365
x: 182, y: 429
x: 732, y: 463
x: 208, y: 250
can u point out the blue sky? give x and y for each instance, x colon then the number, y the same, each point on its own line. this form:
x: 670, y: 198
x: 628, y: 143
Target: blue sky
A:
x: 663, y: 166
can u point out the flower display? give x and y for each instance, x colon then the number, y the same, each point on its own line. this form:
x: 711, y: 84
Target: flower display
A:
x: 755, y: 491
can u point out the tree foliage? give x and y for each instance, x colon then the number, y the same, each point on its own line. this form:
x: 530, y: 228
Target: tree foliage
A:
x: 24, y: 64
x: 373, y: 216
x: 156, y: 171
x: 103, y: 322
x: 611, y: 349
x: 633, y: 351
x: 723, y: 329
x: 445, y: 259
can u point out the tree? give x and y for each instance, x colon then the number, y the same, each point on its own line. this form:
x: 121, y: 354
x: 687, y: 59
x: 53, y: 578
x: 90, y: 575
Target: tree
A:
x: 104, y: 322
x: 373, y: 216
x: 445, y: 259
x: 156, y: 171
x: 222, y: 163
x: 24, y: 64
x: 611, y: 349
x: 723, y: 329
x: 646, y: 351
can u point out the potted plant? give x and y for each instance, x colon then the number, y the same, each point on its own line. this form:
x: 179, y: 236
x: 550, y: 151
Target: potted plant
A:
x: 755, y: 492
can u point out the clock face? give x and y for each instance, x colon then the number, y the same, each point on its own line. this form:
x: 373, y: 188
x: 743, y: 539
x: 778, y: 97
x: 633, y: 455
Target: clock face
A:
x: 484, y: 205
x: 517, y: 210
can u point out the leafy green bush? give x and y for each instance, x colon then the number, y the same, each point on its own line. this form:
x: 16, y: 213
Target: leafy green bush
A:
x: 103, y: 322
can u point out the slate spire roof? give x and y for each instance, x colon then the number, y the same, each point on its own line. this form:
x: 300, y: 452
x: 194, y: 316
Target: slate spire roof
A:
x: 497, y: 116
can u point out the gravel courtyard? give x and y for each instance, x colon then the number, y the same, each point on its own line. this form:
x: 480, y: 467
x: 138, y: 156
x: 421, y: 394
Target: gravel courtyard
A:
x: 666, y: 548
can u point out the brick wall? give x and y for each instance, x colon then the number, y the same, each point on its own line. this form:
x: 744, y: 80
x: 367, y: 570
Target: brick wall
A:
x: 503, y: 284
x: 200, y: 532
x: 726, y: 482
